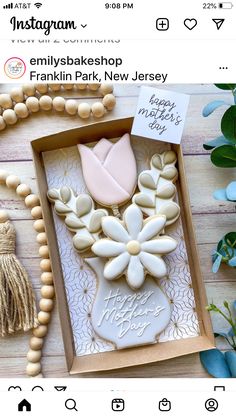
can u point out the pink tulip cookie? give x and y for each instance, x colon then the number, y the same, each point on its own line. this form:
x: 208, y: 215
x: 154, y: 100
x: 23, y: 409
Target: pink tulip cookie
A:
x: 109, y: 171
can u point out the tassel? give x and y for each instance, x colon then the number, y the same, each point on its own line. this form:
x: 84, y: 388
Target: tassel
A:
x: 17, y: 301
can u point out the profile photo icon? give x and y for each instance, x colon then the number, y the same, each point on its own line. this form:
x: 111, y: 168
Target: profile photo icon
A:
x: 14, y: 68
x: 211, y: 405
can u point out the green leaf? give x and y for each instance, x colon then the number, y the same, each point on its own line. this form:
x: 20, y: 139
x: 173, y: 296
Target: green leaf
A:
x: 212, y: 106
x: 229, y: 86
x: 209, y: 145
x: 224, y: 156
x: 230, y: 239
x: 214, y: 362
x: 232, y: 262
x: 230, y: 357
x: 216, y: 264
x: 220, y: 195
x: 228, y: 124
x: 231, y: 332
x: 231, y: 191
x: 220, y: 244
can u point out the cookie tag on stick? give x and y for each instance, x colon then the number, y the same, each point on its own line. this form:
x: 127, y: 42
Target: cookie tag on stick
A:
x: 160, y: 115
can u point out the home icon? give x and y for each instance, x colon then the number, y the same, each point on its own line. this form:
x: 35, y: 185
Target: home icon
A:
x: 24, y: 405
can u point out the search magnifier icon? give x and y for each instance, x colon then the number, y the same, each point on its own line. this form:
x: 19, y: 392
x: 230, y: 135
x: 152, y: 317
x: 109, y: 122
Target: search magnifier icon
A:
x: 70, y: 404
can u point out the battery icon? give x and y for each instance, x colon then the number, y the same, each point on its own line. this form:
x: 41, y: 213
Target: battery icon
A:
x: 225, y: 5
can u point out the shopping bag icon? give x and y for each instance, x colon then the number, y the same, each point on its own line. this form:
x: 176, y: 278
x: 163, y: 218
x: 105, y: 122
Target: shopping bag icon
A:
x: 164, y: 405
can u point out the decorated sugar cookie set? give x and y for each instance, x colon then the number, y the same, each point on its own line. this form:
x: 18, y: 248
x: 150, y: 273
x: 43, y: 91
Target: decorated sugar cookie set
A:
x: 119, y: 228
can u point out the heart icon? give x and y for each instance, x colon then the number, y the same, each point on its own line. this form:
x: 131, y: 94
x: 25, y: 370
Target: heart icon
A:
x: 190, y: 23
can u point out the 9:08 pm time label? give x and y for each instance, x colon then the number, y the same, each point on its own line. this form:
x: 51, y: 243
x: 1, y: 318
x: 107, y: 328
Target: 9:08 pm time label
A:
x: 113, y: 5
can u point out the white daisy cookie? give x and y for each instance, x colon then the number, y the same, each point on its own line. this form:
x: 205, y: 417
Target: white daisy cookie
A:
x: 134, y: 246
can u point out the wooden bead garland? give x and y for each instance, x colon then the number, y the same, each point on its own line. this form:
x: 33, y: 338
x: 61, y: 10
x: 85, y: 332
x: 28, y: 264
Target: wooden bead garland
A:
x: 30, y: 98
x: 46, y: 302
x: 24, y: 101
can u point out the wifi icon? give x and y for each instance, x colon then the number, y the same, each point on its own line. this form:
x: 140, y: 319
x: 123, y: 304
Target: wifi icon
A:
x: 38, y: 5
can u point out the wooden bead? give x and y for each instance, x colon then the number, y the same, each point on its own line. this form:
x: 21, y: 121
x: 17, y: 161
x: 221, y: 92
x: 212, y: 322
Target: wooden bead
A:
x: 12, y: 181
x: 5, y: 101
x: 42, y: 238
x: 109, y: 101
x: 46, y: 304
x: 47, y: 291
x: 84, y: 110
x: 71, y: 107
x: 45, y: 265
x: 3, y: 176
x: 94, y: 86
x: 82, y: 86
x: 33, y: 369
x: 41, y: 88
x: 37, y: 212
x: 9, y: 117
x: 23, y: 190
x: 44, y: 317
x: 32, y: 104
x: 44, y: 252
x: 105, y: 89
x: 59, y: 103
x: 21, y: 110
x: 45, y: 103
x: 31, y: 201
x: 39, y: 226
x: 36, y: 343
x: 17, y: 94
x: 98, y: 110
x: 68, y: 86
x: 29, y: 89
x: 3, y: 216
x: 47, y: 278
x: 34, y: 356
x: 40, y: 331
x: 55, y: 87
x: 2, y: 123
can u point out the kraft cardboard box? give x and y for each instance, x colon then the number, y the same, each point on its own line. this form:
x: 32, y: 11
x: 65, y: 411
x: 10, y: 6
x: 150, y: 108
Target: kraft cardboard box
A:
x: 138, y: 355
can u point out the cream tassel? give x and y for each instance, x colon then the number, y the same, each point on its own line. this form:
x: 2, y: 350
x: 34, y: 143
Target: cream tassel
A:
x: 17, y: 301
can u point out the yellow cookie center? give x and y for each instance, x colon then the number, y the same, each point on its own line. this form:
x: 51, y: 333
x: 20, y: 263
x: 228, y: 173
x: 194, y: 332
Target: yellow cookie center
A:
x: 133, y: 247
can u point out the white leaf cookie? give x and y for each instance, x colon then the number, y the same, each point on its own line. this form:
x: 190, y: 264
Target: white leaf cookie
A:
x: 157, y: 190
x: 134, y: 246
x: 80, y: 216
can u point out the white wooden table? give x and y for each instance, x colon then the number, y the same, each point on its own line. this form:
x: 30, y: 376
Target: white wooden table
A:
x: 212, y: 219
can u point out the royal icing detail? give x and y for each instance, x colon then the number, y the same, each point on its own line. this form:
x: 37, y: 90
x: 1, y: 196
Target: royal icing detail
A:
x: 80, y: 216
x: 109, y: 171
x: 126, y: 317
x: 157, y: 190
x: 134, y: 246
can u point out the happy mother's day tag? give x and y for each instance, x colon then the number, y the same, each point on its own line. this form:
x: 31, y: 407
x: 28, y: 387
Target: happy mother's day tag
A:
x: 160, y: 115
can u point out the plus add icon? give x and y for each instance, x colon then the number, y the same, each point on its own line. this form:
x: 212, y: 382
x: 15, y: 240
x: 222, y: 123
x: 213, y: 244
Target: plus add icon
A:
x: 162, y: 24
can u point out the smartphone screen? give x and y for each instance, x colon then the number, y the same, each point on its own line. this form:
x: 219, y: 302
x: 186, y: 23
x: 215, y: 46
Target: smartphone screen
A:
x: 117, y: 208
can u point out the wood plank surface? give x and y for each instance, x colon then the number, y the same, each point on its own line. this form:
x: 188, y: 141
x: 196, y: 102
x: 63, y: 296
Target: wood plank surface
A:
x: 211, y: 218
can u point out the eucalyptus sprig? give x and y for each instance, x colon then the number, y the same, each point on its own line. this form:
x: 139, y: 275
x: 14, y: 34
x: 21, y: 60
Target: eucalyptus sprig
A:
x: 223, y: 147
x: 222, y: 364
x: 223, y: 154
x: 229, y: 316
x: 225, y: 252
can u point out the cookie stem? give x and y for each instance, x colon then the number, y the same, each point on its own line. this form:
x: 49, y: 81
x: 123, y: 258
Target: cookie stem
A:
x: 115, y: 210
